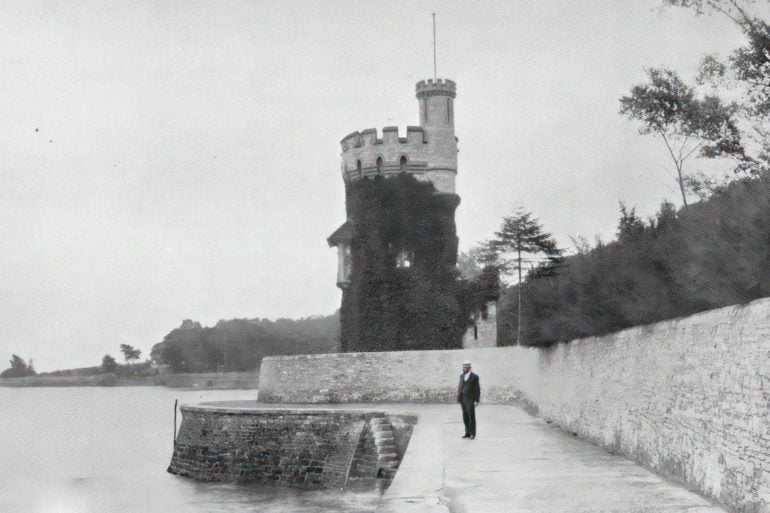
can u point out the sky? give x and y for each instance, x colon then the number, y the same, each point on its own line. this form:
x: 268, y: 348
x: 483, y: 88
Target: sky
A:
x: 171, y: 160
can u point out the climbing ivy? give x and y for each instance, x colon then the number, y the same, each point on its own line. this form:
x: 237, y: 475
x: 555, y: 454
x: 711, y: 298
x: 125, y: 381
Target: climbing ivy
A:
x: 390, y: 307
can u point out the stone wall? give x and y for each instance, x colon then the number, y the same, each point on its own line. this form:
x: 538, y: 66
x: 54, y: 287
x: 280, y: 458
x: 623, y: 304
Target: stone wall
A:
x: 307, y: 448
x: 688, y: 397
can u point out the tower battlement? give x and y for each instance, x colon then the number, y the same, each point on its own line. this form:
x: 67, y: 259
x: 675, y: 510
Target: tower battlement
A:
x: 443, y: 87
x: 427, y: 151
x: 414, y: 134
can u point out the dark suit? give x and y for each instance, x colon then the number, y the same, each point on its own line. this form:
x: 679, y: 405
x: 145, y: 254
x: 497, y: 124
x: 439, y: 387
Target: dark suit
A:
x: 468, y: 393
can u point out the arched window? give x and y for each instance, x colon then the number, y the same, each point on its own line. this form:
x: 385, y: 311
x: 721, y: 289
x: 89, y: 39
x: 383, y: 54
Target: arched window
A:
x: 358, y: 169
x: 379, y: 165
x: 402, y: 163
x: 347, y: 263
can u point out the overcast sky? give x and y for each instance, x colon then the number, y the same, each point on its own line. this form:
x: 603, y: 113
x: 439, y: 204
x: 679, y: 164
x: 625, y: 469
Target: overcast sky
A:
x: 165, y: 160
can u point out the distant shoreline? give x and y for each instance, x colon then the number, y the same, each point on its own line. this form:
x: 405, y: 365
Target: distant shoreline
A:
x: 207, y: 380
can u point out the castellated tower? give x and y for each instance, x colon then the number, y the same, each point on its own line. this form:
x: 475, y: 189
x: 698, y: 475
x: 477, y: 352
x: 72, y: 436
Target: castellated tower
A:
x: 397, y: 250
x: 428, y: 152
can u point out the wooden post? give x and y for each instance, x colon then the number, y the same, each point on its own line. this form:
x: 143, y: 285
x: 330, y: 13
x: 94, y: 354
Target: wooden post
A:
x: 175, y: 402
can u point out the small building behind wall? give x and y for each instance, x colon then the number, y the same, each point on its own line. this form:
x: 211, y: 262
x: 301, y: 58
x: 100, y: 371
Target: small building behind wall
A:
x: 483, y: 332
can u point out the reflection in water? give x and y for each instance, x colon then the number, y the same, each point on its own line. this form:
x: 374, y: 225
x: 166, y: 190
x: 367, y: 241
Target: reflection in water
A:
x: 97, y: 450
x: 276, y: 499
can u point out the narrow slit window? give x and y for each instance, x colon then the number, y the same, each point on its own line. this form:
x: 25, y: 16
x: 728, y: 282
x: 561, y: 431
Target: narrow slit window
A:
x: 405, y: 259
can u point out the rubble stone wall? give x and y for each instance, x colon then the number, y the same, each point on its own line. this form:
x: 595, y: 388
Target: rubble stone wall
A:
x: 310, y: 448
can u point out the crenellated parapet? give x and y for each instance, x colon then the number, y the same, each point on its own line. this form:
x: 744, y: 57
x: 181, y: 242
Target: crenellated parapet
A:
x: 428, y: 151
x: 414, y: 135
x: 440, y: 86
x: 367, y: 153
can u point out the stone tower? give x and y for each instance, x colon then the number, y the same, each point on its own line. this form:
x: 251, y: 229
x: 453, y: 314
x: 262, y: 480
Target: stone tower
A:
x: 397, y: 250
x: 428, y: 152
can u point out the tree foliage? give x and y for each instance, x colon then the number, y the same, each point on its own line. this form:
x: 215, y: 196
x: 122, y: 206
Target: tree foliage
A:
x: 521, y: 240
x: 745, y: 74
x: 735, y: 10
x: 688, y: 125
x: 19, y: 368
x: 712, y: 254
x: 129, y: 352
x: 109, y: 364
x: 240, y: 344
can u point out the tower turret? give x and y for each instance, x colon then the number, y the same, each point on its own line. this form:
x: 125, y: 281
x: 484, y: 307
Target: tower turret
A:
x: 437, y: 121
x: 437, y: 104
x: 397, y: 249
x: 428, y: 152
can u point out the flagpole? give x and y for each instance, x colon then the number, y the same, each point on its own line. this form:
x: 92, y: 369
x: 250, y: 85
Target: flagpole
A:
x: 434, y: 47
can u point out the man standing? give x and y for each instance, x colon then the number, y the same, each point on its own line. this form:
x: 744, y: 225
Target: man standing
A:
x: 469, y: 395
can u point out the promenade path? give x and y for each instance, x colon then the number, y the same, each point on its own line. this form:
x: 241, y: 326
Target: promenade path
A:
x: 520, y: 464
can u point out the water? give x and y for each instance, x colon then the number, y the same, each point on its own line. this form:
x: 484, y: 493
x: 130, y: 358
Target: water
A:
x: 106, y: 450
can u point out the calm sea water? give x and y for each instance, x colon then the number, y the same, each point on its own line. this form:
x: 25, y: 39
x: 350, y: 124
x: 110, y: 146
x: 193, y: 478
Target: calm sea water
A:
x: 106, y: 450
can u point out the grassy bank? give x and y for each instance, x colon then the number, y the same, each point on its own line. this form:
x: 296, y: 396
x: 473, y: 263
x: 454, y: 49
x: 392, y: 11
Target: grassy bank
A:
x: 209, y: 380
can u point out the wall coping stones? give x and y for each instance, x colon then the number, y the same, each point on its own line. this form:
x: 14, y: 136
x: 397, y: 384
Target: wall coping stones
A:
x: 256, y: 408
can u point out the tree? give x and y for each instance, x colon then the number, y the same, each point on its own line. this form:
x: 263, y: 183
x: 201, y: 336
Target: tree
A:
x: 109, y: 364
x: 475, y: 261
x: 732, y: 9
x: 18, y: 369
x: 240, y: 344
x: 521, y: 234
x: 712, y: 254
x: 129, y: 352
x: 745, y: 73
x: 631, y: 228
x: 689, y: 126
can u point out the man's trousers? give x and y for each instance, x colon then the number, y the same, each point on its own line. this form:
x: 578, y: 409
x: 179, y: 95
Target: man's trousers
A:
x: 469, y: 417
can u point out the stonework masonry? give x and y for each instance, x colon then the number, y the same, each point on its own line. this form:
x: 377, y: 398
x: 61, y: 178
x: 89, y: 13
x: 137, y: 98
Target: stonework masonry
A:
x: 428, y: 151
x: 689, y: 398
x: 308, y: 448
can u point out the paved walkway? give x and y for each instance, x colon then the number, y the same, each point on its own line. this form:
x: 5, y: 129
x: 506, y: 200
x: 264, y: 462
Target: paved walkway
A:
x: 519, y: 464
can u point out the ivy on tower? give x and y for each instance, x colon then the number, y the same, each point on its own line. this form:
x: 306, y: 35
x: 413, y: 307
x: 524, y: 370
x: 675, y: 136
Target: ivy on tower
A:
x: 397, y: 250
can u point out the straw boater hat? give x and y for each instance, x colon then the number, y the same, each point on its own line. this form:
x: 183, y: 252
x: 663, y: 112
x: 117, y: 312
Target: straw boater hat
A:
x: 466, y: 364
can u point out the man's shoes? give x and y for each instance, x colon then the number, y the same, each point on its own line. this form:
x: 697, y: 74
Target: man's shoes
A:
x: 472, y: 437
x: 467, y: 436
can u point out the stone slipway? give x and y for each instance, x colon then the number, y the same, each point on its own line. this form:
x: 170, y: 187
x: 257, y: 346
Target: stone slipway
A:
x: 520, y: 464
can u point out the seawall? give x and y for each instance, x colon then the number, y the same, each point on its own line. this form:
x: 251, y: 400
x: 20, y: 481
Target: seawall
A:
x: 689, y: 398
x: 324, y: 448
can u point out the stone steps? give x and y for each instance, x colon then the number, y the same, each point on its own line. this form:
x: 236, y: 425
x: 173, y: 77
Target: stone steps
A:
x: 388, y: 459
